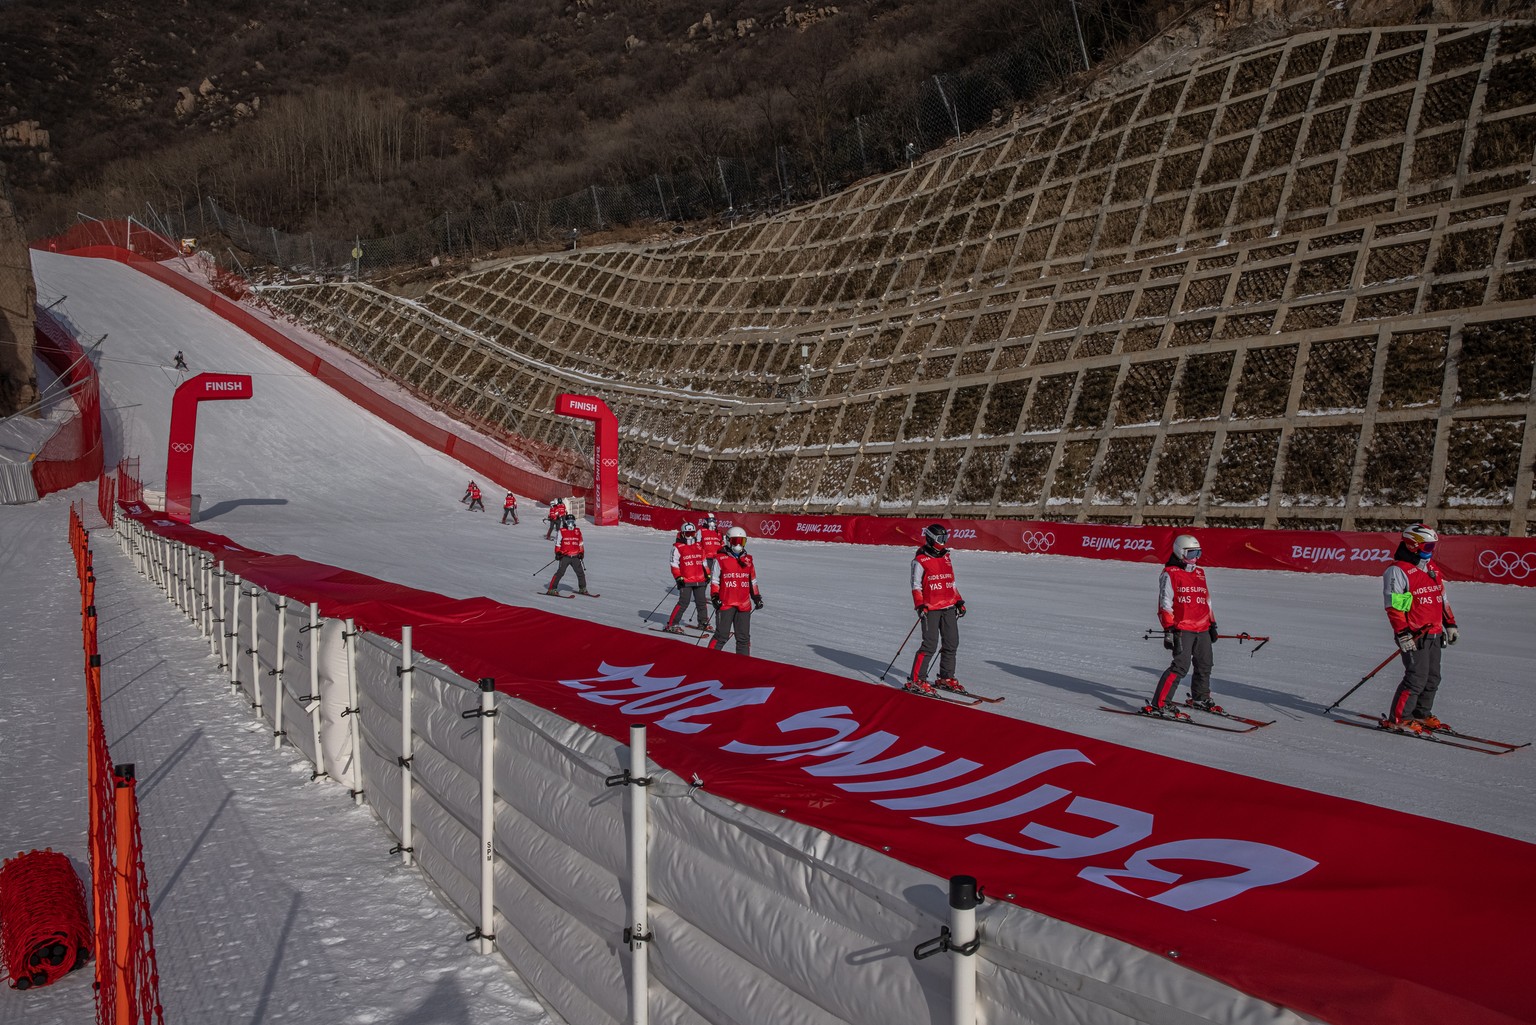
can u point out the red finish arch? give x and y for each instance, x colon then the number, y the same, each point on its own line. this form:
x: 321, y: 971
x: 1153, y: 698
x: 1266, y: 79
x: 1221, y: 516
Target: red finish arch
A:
x: 183, y: 437
x: 605, y: 452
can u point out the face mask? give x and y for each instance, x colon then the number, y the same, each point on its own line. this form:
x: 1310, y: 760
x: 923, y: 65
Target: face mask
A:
x: 736, y: 549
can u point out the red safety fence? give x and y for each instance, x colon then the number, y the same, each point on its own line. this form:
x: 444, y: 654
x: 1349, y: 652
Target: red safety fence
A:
x: 44, y: 934
x: 1479, y: 558
x: 127, y: 979
x: 142, y: 250
x: 74, y: 454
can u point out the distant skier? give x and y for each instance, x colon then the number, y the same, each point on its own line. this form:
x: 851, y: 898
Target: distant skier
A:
x: 469, y: 489
x: 1422, y: 624
x: 1189, y: 630
x: 556, y: 514
x: 733, y: 592
x: 474, y: 498
x: 570, y: 553
x: 692, y: 579
x: 181, y: 361
x: 939, y: 608
x: 709, y: 539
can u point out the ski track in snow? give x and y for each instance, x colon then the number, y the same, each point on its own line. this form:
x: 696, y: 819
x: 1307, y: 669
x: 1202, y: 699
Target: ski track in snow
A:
x: 275, y: 899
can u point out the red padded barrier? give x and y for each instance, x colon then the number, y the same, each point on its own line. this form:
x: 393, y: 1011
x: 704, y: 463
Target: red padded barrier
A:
x: 74, y: 454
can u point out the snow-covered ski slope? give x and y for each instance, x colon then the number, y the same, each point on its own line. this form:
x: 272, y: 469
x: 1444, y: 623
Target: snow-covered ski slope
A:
x: 298, y: 469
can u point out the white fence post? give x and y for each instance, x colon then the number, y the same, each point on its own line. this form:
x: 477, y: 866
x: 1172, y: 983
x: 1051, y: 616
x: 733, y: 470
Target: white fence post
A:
x: 277, y: 672
x: 637, y: 934
x: 313, y: 701
x: 407, y: 745
x: 223, y: 638
x: 349, y: 640
x: 212, y: 575
x: 234, y: 639
x: 255, y: 652
x: 485, y: 935
x: 959, y: 938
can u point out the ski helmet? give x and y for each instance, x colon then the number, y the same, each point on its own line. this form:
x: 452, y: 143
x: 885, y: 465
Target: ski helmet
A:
x: 1420, y: 539
x: 935, y: 536
x: 736, y: 540
x: 687, y: 530
x: 709, y: 520
x: 1186, y: 548
x: 568, y: 521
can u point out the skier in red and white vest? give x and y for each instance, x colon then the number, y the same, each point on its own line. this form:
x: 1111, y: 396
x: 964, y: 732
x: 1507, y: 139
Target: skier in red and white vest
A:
x: 570, y: 553
x: 939, y: 608
x: 474, y: 497
x: 691, y: 578
x: 733, y: 592
x: 509, y: 509
x: 556, y: 515
x: 1422, y: 624
x: 710, y: 540
x: 1189, y: 630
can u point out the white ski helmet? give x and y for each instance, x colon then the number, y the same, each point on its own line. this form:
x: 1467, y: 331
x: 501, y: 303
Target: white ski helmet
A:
x: 1420, y: 539
x: 709, y: 519
x: 736, y: 539
x: 688, y: 528
x: 1186, y: 548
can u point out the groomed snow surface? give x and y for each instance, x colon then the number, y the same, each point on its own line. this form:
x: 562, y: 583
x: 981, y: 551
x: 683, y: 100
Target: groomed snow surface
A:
x: 275, y: 898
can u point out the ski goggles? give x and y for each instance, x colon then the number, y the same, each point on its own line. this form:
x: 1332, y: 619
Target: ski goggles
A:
x: 1426, y: 549
x: 1190, y: 555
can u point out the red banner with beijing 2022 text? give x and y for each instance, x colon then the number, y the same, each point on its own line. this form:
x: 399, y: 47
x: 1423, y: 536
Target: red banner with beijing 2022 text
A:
x: 1324, y: 905
x: 1477, y: 558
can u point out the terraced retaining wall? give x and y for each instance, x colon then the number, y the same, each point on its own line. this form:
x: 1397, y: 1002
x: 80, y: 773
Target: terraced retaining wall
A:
x: 1289, y: 287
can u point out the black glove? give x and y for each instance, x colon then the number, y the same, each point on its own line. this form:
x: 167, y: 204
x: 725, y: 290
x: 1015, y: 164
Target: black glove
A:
x: 1212, y: 631
x: 922, y: 611
x: 714, y: 600
x: 679, y: 582
x: 1168, y: 634
x: 960, y: 608
x: 1405, y: 642
x: 1449, y: 637
x: 757, y: 601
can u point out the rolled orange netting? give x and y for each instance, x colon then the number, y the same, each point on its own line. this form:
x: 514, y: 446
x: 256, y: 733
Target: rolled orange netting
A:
x: 44, y: 932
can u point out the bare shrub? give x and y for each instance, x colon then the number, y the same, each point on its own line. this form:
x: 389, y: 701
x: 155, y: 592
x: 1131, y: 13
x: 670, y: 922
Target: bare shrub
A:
x: 1397, y: 463
x: 1181, y: 469
x: 1318, y: 464
x: 1265, y: 385
x: 1246, y: 468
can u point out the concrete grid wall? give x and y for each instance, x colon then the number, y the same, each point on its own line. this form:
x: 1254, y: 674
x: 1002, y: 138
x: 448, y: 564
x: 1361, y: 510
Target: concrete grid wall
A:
x: 1295, y: 286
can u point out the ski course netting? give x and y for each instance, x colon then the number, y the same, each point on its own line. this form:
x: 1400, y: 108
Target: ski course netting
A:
x: 74, y: 454
x: 44, y: 934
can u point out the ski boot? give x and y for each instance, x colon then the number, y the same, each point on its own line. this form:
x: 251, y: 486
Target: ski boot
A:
x: 1432, y: 724
x: 1408, y: 726
x: 1163, y: 712
x: 672, y: 629
x: 950, y: 684
x: 920, y: 687
x: 1204, y: 705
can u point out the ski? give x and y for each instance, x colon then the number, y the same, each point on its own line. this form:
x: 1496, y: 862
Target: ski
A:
x: 1183, y: 718
x: 980, y: 698
x: 1255, y: 723
x: 557, y: 594
x: 687, y: 632
x: 586, y: 594
x: 953, y: 697
x: 1437, y: 735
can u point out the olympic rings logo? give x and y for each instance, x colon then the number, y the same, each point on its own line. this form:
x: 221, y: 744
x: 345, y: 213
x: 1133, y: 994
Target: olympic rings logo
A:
x: 181, y: 446
x: 768, y: 528
x: 1038, y: 540
x: 610, y: 462
x: 1507, y: 564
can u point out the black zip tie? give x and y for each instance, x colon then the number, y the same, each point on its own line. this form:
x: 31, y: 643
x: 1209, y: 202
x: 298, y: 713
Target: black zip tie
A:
x: 316, y: 775
x: 279, y: 733
x: 633, y: 939
x: 275, y: 672
x: 250, y: 651
x: 307, y: 628
x: 402, y: 670
x: 354, y: 794
x: 350, y: 711
x: 478, y: 935
x: 402, y: 849
x: 475, y: 713
x: 625, y: 779
x: 90, y: 610
x: 403, y: 761
x: 313, y: 699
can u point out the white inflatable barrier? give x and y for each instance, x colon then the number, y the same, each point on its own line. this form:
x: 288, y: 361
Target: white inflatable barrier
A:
x: 711, y: 912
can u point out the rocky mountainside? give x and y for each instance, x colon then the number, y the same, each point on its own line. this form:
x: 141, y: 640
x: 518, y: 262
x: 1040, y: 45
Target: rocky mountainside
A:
x: 316, y: 114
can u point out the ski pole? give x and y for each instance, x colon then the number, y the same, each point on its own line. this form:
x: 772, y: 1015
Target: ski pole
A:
x: 904, y: 641
x: 1357, y: 686
x: 664, y: 595
x: 546, y: 566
